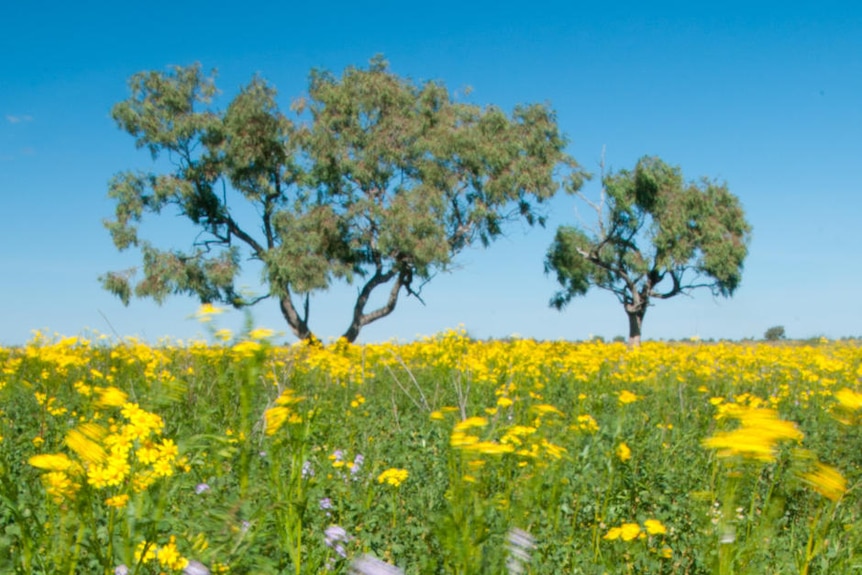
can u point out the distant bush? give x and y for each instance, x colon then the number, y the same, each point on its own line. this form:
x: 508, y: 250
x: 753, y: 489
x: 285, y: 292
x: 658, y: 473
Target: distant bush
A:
x: 774, y: 333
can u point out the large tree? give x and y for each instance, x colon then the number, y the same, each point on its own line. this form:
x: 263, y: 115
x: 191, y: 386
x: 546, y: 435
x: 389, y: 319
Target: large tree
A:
x: 656, y: 236
x: 376, y: 180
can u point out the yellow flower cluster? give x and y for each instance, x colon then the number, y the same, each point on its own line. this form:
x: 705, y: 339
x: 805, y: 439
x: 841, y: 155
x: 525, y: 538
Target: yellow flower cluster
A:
x: 393, y: 476
x: 625, y: 397
x: 586, y: 423
x: 624, y: 452
x: 849, y: 408
x: 827, y: 481
x: 757, y: 437
x: 206, y: 312
x: 283, y: 411
x: 109, y: 457
x: 631, y: 531
x: 167, y: 555
x: 516, y: 365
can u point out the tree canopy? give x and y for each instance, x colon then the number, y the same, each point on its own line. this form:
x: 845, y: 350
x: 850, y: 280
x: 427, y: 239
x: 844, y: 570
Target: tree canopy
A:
x: 371, y: 179
x: 656, y: 237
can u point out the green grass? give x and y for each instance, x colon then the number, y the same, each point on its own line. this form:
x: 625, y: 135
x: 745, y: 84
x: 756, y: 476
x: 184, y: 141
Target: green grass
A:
x: 269, y: 500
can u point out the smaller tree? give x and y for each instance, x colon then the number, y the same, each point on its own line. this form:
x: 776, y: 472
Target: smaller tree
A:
x: 775, y: 333
x: 656, y: 237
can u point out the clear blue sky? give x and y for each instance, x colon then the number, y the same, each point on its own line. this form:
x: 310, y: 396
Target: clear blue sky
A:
x: 767, y: 97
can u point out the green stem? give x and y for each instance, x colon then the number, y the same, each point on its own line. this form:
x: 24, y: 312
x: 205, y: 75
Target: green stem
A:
x: 809, y: 546
x: 110, y: 554
x: 76, y: 554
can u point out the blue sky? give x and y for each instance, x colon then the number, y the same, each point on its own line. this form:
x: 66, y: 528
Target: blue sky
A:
x: 765, y: 96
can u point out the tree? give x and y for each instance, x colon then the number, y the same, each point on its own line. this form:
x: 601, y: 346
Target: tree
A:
x: 376, y: 181
x: 656, y: 237
x: 775, y: 333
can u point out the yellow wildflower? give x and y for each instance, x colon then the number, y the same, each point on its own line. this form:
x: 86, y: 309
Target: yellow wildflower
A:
x: 169, y: 556
x: 461, y: 439
x: 827, y: 481
x: 470, y: 423
x: 223, y: 335
x: 849, y: 399
x: 630, y: 531
x: 80, y: 441
x: 163, y: 468
x: 544, y: 409
x: 585, y: 423
x: 59, y: 486
x: 613, y: 534
x: 275, y: 417
x: 654, y: 527
x: 145, y: 552
x: 555, y: 451
x: 111, y: 397
x: 147, y: 453
x: 110, y: 474
x: 51, y: 461
x: 623, y: 452
x: 393, y: 476
x: 118, y: 501
x: 489, y: 448
x: 504, y: 402
x: 141, y: 423
x: 756, y: 438
x: 626, y: 532
x: 206, y: 312
x: 246, y: 348
x: 260, y: 333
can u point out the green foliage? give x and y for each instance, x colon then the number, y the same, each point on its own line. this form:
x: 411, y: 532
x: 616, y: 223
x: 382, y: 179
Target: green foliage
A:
x: 376, y: 180
x: 260, y: 503
x: 775, y: 333
x: 656, y: 237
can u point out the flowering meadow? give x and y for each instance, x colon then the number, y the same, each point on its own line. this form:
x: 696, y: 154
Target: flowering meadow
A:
x: 446, y: 455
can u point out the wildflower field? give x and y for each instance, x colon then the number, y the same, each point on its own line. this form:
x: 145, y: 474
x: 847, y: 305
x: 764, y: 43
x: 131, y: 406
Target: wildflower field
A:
x: 446, y: 455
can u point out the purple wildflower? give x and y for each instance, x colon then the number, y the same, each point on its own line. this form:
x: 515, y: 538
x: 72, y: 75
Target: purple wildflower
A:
x: 201, y: 487
x: 307, y: 470
x: 121, y: 570
x: 335, y: 533
x: 334, y: 536
x: 326, y: 503
x: 357, y: 463
x: 520, y: 544
x: 368, y: 565
x: 196, y: 568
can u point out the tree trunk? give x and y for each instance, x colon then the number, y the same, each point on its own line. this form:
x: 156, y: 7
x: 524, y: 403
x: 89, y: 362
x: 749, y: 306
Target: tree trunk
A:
x: 298, y: 325
x: 636, y: 317
x: 352, y: 332
x: 360, y: 318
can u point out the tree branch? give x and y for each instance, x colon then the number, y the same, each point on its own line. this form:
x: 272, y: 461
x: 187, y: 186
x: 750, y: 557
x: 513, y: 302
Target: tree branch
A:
x: 298, y: 325
x: 234, y: 228
x: 360, y: 318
